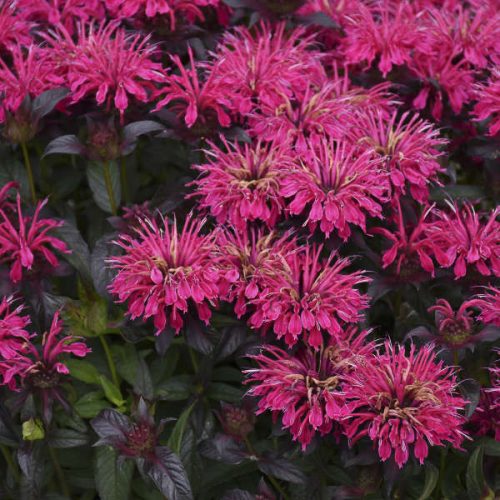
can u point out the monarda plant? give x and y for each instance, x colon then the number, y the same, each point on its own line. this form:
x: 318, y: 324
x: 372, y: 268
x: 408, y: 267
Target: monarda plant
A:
x: 249, y: 249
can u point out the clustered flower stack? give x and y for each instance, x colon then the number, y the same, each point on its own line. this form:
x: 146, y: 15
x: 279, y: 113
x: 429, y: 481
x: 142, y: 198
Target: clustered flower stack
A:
x: 249, y: 249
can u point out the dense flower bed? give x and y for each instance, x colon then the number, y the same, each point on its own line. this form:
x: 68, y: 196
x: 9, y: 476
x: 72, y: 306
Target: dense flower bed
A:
x: 249, y: 249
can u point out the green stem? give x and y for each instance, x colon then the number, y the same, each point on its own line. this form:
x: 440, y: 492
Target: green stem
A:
x: 124, y: 179
x: 272, y: 480
x: 194, y: 362
x: 109, y: 358
x: 10, y: 462
x: 59, y: 473
x: 455, y: 357
x: 109, y: 187
x: 29, y: 171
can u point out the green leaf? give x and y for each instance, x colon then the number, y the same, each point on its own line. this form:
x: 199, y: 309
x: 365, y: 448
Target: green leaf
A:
x: 67, y: 438
x: 112, y: 480
x: 175, y: 388
x: 97, y: 184
x: 84, y: 371
x: 491, y: 447
x: 175, y: 439
x: 80, y: 255
x: 474, y: 476
x: 33, y: 429
x: 220, y: 391
x: 431, y: 479
x: 112, y: 392
x: 90, y: 404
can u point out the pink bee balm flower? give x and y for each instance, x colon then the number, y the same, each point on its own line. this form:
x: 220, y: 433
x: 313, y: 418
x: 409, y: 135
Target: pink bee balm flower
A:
x: 308, y: 388
x: 489, y: 305
x: 26, y: 242
x: 442, y: 76
x: 263, y: 65
x: 111, y: 64
x: 129, y: 8
x: 338, y: 186
x: 456, y: 329
x: 13, y: 334
x: 163, y: 271
x: 405, y: 403
x: 30, y: 73
x: 411, y: 249
x: 486, y: 418
x: 41, y: 372
x: 309, y: 296
x: 245, y: 257
x: 387, y: 29
x: 14, y: 27
x: 241, y: 184
x: 462, y: 238
x: 488, y: 102
x: 198, y: 103
x: 65, y: 13
x: 408, y: 147
x: 311, y: 116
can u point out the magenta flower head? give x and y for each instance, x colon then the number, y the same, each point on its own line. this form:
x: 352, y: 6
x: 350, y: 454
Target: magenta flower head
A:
x: 41, y: 371
x: 441, y: 76
x: 386, y: 29
x: 404, y: 403
x: 67, y: 13
x: 308, y: 388
x: 308, y: 296
x: 241, y: 184
x: 203, y: 104
x: 110, y: 64
x: 463, y: 239
x: 246, y: 257
x: 311, y: 116
x: 13, y: 334
x: 411, y: 250
x: 14, y: 27
x: 30, y: 73
x: 336, y: 186
x: 265, y: 64
x: 456, y: 329
x: 164, y: 271
x: 488, y: 304
x: 488, y: 102
x: 26, y: 243
x: 407, y: 146
x: 485, y: 421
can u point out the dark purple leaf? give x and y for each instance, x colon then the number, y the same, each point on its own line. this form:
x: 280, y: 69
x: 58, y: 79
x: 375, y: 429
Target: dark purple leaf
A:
x: 66, y: 144
x: 47, y: 101
x: 223, y: 448
x: 281, y: 468
x: 110, y: 425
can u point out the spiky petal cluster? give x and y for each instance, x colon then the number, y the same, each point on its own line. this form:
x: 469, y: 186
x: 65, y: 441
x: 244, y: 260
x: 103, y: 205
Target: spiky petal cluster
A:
x: 308, y: 296
x: 65, y: 13
x: 241, y: 184
x: 42, y: 369
x: 245, y: 258
x: 315, y: 114
x: 411, y: 249
x: 336, y: 186
x: 307, y: 388
x: 265, y: 64
x: 110, y: 64
x: 29, y: 73
x: 488, y: 102
x: 456, y: 329
x: 488, y: 304
x: 462, y: 239
x: 404, y: 403
x: 201, y: 103
x: 13, y: 333
x: 164, y: 271
x: 486, y: 417
x: 14, y: 27
x: 26, y: 242
x: 385, y: 29
x: 408, y: 147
